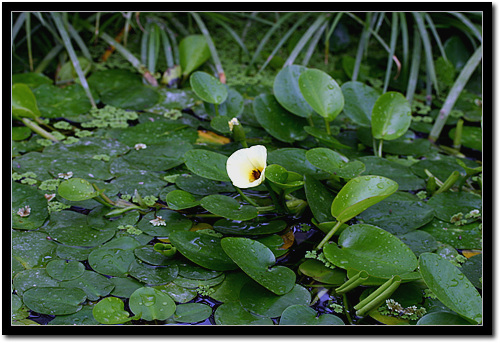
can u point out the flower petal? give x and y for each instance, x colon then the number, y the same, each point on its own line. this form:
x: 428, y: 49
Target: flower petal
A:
x: 244, y: 164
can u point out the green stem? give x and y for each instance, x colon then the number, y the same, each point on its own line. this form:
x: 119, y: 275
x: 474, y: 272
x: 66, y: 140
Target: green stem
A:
x: 380, y: 148
x: 278, y: 204
x: 34, y: 127
x: 216, y: 109
x: 450, y: 181
x: 375, y: 299
x: 329, y: 235
x: 327, y: 126
x: 346, y: 311
x: 457, y: 141
x: 247, y: 199
x: 352, y: 283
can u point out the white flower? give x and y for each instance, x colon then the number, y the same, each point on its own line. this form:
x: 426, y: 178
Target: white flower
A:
x: 24, y: 211
x: 158, y: 221
x: 246, y: 167
x: 140, y: 146
x: 65, y: 176
x: 233, y: 122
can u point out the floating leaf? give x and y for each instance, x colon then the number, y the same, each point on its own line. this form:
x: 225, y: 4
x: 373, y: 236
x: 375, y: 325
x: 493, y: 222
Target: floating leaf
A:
x: 64, y: 102
x: 232, y: 313
x: 472, y: 137
x: 207, y: 164
x: 208, y: 88
x: 153, y: 275
x: 334, y: 163
x: 111, y: 311
x: 229, y: 289
x: 322, y: 93
x: 31, y: 278
x: 192, y: 313
x: 287, y: 92
x: 369, y: 248
x: 304, y: 315
x: 111, y: 261
x: 22, y: 196
x: 321, y: 273
x: 468, y: 236
x: 93, y: 284
x: 204, y: 250
x: 294, y: 159
x: 76, y: 189
x: 442, y: 318
x: 448, y: 204
x: 227, y: 207
x: 32, y: 248
x: 473, y: 270
x: 170, y: 222
x: 278, y: 122
x: 54, y: 300
x: 419, y: 242
x: 124, y: 286
x: 180, y: 200
x: 249, y: 227
x: 391, y: 116
x: 151, y: 304
x: 64, y: 270
x: 359, y: 194
x: 82, y: 317
x: 451, y: 286
x: 256, y: 260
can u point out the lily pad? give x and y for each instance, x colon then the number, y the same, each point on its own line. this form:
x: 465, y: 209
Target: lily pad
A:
x: 334, y: 163
x: 22, y: 196
x: 257, y: 261
x: 321, y: 273
x: 192, y: 312
x: 111, y: 261
x: 442, y: 318
x: 82, y: 317
x: 419, y: 242
x: 93, y: 284
x: 32, y: 278
x: 124, y: 286
x: 232, y: 313
x: 151, y: 304
x: 76, y: 189
x: 472, y: 137
x: 472, y: 268
x: 63, y: 270
x: 448, y: 204
x: 228, y: 207
x: 304, y: 315
x: 467, y: 236
x: 287, y: 92
x: 54, y: 300
x: 369, y: 248
x: 277, y: 121
x: 451, y: 286
x: 261, y: 301
x: 111, y: 311
x: 153, y: 275
x: 229, y: 289
x: 180, y: 200
x: 193, y: 52
x: 67, y: 102
x: 24, y: 102
x: 294, y: 159
x: 359, y: 194
x: 249, y: 228
x: 169, y: 222
x: 32, y: 248
x: 177, y: 293
x: 198, y: 185
x: 202, y: 249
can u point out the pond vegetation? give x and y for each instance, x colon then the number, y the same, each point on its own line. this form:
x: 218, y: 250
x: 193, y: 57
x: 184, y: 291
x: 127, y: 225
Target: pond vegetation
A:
x: 247, y: 168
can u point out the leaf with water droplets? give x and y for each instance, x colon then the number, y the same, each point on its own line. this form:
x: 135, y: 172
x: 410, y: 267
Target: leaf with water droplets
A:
x: 208, y: 88
x: 391, y: 116
x: 111, y: 311
x: 151, y: 304
x: 54, y: 300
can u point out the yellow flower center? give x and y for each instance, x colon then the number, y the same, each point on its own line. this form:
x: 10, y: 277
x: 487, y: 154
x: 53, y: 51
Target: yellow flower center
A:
x: 255, y: 174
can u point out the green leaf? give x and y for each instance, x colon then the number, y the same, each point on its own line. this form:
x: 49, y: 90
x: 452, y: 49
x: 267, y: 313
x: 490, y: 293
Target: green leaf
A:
x: 24, y: 102
x: 208, y: 88
x: 193, y: 52
x: 76, y: 189
x: 32, y: 80
x: 322, y: 93
x: 173, y: 222
x: 369, y: 248
x: 472, y: 137
x: 22, y: 196
x: 442, y: 318
x: 202, y: 249
x: 32, y: 248
x: 20, y: 133
x: 229, y: 289
x: 304, y: 315
x: 281, y: 179
x: 467, y: 236
x: 334, y: 163
x: 232, y: 313
x: 54, y: 300
x: 321, y: 273
x: 227, y: 207
x: 359, y: 102
x: 111, y: 261
x: 256, y: 260
x: 192, y: 312
x: 111, y: 311
x: 153, y: 275
x: 65, y: 102
x: 261, y: 301
x: 93, y: 284
x: 180, y: 200
x: 448, y: 204
x: 207, y: 164
x: 287, y: 92
x: 451, y: 286
x: 151, y: 304
x: 359, y: 194
x: 391, y: 116
x: 249, y: 227
x: 64, y: 270
x: 277, y: 121
x: 294, y: 159
x: 319, y: 199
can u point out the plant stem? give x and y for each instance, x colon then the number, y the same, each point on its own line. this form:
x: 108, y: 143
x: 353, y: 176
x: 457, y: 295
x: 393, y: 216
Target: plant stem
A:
x: 454, y: 93
x: 352, y: 283
x: 346, y: 311
x: 376, y: 298
x: 450, y: 181
x: 327, y: 126
x: 380, y: 148
x: 457, y: 141
x: 329, y: 235
x: 247, y: 199
x: 278, y: 203
x: 34, y: 127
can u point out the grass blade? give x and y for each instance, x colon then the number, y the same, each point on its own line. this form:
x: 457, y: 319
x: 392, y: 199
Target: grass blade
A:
x: 394, y: 37
x: 365, y: 35
x: 454, y: 93
x: 469, y: 24
x: 314, y: 43
x: 283, y: 40
x: 304, y: 39
x: 211, y: 46
x: 79, y: 41
x: 329, y: 33
x: 17, y: 26
x: 415, y: 66
x: 167, y: 49
x: 405, y: 42
x: 427, y: 48
x: 231, y: 32
x: 71, y: 52
x: 48, y: 58
x: 431, y: 25
x: 27, y: 24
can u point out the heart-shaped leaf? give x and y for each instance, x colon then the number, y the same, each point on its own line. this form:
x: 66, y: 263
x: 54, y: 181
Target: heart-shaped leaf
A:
x: 256, y: 260
x: 304, y: 315
x: 232, y: 313
x: 111, y: 311
x: 180, y: 200
x: 111, y: 261
x: 359, y: 101
x: 64, y: 270
x: 208, y: 88
x: 334, y: 163
x: 322, y: 93
x: 391, y: 116
x: 227, y: 207
x: 359, y: 194
x: 287, y: 92
x: 369, y: 248
x: 204, y: 250
x: 192, y: 312
x: 277, y: 121
x: 442, y: 318
x: 76, y: 189
x: 151, y: 304
x: 207, y: 164
x: 451, y: 286
x: 193, y: 52
x: 54, y: 300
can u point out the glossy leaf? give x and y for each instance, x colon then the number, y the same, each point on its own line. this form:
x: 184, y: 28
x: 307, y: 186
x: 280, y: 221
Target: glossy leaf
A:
x: 54, y: 300
x: 204, y: 250
x: 227, y: 207
x: 442, y: 318
x: 64, y: 270
x: 359, y: 194
x: 322, y: 93
x: 319, y: 199
x: 451, y: 286
x: 249, y: 227
x: 180, y: 200
x: 232, y: 313
x: 208, y: 88
x: 192, y: 312
x: 151, y: 304
x: 305, y: 315
x: 277, y: 121
x: 334, y: 163
x: 207, y: 164
x: 93, y: 284
x: 287, y: 92
x: 76, y: 189
x: 24, y: 102
x: 391, y: 116
x: 256, y: 260
x: 369, y: 248
x: 111, y: 311
x: 359, y: 101
x: 193, y: 52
